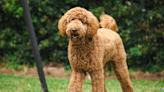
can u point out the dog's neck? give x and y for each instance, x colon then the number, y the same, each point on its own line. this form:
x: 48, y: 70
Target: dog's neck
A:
x: 90, y: 39
x: 84, y: 41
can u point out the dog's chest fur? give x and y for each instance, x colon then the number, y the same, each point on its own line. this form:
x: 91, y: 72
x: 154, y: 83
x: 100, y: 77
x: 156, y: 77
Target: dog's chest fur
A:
x: 84, y: 57
x: 93, y: 55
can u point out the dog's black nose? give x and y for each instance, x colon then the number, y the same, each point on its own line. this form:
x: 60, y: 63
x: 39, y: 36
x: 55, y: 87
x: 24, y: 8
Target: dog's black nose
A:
x: 74, y: 30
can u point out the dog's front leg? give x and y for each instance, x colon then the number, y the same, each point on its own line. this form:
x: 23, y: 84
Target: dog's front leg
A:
x: 76, y: 81
x: 97, y: 81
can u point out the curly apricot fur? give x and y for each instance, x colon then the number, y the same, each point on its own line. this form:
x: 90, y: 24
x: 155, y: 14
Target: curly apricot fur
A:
x: 92, y: 47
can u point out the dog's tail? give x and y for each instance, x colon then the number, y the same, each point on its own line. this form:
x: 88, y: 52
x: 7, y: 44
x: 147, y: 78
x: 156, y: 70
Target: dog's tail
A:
x: 108, y: 22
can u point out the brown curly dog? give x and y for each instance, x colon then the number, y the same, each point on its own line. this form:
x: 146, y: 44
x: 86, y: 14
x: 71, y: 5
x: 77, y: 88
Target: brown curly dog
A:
x: 91, y: 47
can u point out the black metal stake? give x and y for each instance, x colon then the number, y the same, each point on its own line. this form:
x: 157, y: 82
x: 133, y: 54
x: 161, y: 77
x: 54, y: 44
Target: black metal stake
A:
x: 34, y: 45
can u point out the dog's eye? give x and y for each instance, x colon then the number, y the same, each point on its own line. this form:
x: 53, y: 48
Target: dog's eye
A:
x: 83, y: 22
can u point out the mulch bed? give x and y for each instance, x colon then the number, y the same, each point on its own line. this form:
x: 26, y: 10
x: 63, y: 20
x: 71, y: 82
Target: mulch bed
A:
x: 59, y: 72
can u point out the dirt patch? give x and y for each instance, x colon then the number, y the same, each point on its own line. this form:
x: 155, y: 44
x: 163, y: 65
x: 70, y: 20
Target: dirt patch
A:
x: 111, y: 77
x: 147, y: 76
x: 5, y: 71
x: 31, y: 73
x: 59, y: 72
x: 141, y: 76
x: 19, y: 72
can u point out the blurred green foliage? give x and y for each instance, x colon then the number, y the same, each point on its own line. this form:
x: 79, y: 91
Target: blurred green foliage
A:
x: 140, y: 25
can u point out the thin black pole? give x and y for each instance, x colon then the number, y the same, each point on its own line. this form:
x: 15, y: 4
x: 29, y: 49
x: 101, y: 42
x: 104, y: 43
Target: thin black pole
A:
x: 34, y: 45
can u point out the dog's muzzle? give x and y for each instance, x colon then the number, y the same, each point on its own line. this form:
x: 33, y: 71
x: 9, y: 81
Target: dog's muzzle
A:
x: 74, y: 30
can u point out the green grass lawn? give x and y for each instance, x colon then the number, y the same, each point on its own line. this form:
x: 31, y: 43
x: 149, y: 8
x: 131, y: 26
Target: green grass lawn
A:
x: 11, y: 83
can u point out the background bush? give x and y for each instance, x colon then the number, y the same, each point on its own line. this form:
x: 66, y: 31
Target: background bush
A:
x: 140, y: 26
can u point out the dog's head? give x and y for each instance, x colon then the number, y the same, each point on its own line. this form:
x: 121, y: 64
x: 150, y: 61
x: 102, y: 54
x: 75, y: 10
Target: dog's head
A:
x: 78, y: 24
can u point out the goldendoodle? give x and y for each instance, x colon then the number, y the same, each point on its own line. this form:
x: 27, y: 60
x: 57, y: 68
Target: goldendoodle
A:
x: 91, y: 47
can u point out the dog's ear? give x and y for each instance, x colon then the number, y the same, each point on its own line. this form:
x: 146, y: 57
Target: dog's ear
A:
x: 93, y: 25
x: 62, y: 26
